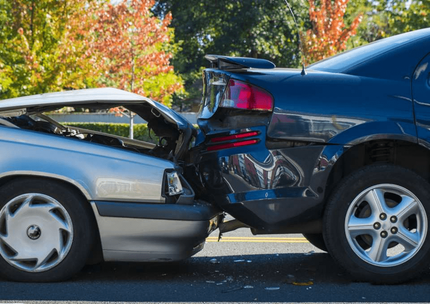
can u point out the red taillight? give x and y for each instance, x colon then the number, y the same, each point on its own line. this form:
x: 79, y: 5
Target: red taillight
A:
x: 233, y: 145
x: 241, y: 95
x: 235, y: 136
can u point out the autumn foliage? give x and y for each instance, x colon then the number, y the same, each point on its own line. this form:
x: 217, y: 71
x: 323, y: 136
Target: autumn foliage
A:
x: 61, y: 45
x: 329, y: 34
x: 124, y: 46
x: 132, y: 49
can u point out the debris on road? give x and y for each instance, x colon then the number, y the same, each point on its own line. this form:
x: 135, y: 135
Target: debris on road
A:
x: 303, y: 283
x: 290, y: 279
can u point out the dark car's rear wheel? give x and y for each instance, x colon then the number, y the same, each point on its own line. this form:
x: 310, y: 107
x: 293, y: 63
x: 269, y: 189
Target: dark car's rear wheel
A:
x: 45, y: 231
x: 376, y: 224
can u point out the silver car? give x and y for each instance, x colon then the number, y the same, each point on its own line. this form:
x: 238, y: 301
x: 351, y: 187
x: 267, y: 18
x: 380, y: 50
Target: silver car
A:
x: 70, y: 196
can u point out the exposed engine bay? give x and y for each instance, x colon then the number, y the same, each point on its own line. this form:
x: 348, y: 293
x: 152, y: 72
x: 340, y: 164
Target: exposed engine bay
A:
x: 165, y: 134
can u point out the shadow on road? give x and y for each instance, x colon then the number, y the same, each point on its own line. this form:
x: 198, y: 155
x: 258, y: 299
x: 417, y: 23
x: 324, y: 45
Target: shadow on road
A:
x: 246, y: 278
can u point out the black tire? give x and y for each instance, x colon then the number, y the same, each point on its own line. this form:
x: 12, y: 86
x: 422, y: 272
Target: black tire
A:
x: 66, y: 208
x: 363, y: 239
x: 317, y: 240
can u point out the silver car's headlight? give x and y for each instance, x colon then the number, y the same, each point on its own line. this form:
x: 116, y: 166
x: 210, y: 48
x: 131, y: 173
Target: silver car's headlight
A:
x: 174, y: 186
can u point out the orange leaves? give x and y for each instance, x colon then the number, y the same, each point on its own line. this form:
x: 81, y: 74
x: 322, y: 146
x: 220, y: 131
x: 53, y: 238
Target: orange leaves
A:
x: 124, y: 46
x: 129, y: 43
x: 328, y: 35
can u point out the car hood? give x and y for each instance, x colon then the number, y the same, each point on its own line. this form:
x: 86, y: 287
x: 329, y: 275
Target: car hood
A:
x: 93, y: 98
x: 163, y: 121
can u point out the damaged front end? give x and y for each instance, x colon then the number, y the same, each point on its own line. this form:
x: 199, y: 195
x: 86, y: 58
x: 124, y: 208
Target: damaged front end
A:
x: 144, y: 207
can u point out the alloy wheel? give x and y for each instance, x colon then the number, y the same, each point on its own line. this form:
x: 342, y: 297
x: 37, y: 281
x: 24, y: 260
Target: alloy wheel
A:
x: 386, y: 225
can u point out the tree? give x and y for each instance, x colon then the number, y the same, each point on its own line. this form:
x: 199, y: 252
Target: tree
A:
x: 385, y: 18
x: 328, y: 35
x: 52, y: 45
x: 252, y: 28
x: 130, y: 49
x: 30, y: 31
x: 405, y: 16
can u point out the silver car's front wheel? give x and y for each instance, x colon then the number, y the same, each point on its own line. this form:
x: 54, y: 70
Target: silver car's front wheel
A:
x: 376, y: 224
x: 36, y: 232
x: 46, y: 230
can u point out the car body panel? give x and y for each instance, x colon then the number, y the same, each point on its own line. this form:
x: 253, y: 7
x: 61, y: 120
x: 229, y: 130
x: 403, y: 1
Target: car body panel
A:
x: 120, y: 175
x: 421, y: 95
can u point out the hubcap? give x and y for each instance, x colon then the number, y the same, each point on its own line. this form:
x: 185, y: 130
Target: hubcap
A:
x: 36, y: 232
x: 386, y: 225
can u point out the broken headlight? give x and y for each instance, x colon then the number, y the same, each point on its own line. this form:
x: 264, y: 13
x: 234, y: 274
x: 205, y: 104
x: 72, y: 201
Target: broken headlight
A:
x: 174, y: 186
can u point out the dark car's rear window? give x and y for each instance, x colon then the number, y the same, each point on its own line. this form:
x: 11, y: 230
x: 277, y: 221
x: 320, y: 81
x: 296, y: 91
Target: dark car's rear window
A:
x: 347, y: 60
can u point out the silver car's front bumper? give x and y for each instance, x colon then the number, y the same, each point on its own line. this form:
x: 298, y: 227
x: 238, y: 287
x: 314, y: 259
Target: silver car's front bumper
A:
x: 153, y: 232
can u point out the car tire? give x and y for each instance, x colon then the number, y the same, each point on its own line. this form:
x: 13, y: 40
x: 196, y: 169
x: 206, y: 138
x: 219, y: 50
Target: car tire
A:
x: 46, y: 230
x: 376, y: 224
x: 317, y: 240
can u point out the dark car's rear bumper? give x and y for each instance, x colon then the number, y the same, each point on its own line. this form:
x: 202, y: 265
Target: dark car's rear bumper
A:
x: 153, y: 232
x: 273, y: 188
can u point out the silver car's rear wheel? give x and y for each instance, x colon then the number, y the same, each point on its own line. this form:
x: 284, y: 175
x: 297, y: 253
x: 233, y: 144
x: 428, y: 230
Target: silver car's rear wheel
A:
x: 36, y: 232
x: 386, y: 225
x: 46, y: 230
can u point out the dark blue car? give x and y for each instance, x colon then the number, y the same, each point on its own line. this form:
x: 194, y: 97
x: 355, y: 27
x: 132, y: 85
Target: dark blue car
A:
x: 338, y: 152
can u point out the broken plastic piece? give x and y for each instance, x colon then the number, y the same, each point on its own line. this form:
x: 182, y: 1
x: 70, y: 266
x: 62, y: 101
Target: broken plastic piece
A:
x: 303, y: 283
x: 290, y: 279
x: 213, y: 261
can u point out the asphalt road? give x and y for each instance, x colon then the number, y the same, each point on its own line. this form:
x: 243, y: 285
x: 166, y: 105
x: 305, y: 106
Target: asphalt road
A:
x: 241, y: 268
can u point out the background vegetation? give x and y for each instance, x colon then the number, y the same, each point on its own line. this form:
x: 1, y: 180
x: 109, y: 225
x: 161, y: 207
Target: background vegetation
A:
x: 157, y: 48
x: 141, y: 131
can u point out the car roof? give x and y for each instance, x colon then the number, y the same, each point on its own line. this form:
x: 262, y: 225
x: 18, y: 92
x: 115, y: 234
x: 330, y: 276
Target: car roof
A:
x: 65, y: 98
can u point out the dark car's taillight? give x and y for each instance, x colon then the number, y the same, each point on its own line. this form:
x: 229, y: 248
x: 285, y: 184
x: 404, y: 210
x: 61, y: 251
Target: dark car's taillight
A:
x: 241, y: 95
x: 233, y: 141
